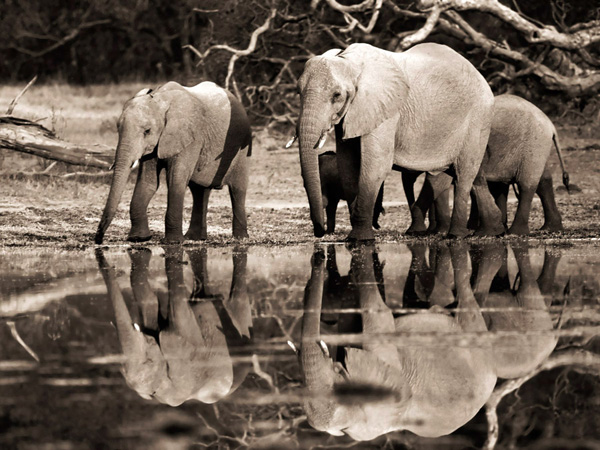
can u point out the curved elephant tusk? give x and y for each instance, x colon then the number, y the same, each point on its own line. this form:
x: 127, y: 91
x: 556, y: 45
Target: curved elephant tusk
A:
x: 112, y: 166
x: 137, y: 327
x: 324, y: 348
x: 323, y: 138
x: 293, y: 346
x: 291, y: 141
x: 135, y: 164
x: 322, y: 141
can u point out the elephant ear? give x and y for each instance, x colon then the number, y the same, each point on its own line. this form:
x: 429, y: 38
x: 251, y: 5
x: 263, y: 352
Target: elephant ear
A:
x: 381, y: 89
x: 182, y: 118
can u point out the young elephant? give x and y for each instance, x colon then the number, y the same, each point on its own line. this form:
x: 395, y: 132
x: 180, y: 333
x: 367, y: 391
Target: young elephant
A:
x: 332, y: 191
x: 199, y: 135
x: 520, y: 142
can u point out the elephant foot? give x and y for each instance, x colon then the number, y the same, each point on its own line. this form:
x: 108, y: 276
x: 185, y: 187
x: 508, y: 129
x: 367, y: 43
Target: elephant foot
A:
x: 361, y: 235
x: 413, y: 232
x: 552, y: 226
x: 195, y: 235
x: 173, y: 239
x: 139, y: 237
x: 240, y: 234
x: 442, y: 229
x: 458, y: 232
x: 491, y: 230
x: 519, y: 230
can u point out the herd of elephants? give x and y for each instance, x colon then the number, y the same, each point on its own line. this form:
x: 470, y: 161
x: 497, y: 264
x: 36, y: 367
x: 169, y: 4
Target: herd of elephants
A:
x: 426, y: 110
x: 185, y: 347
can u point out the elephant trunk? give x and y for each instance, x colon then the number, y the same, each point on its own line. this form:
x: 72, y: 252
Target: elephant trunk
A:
x: 123, y: 164
x: 311, y: 131
x: 316, y: 364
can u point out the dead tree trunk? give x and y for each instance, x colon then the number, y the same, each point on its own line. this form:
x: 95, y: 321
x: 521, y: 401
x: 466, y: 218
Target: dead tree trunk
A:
x: 22, y: 135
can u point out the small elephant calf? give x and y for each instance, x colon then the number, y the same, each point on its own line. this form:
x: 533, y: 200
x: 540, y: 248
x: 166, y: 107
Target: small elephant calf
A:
x: 201, y: 137
x: 332, y: 192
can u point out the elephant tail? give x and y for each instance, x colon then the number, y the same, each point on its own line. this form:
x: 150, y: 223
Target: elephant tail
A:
x: 249, y: 146
x: 565, y: 174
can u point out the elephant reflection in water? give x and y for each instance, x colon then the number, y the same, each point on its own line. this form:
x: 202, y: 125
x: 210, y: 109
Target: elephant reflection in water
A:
x: 433, y: 388
x: 177, y: 347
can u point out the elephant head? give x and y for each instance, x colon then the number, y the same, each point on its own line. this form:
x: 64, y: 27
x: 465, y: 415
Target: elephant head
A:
x: 160, y: 122
x: 386, y: 384
x: 345, y: 88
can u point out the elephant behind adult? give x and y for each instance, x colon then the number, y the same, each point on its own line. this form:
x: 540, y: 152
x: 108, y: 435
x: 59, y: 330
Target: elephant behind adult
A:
x: 199, y: 135
x: 426, y: 109
x: 521, y: 140
x: 333, y: 191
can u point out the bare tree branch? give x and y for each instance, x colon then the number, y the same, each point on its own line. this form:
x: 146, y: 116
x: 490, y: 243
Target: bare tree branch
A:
x: 12, y: 105
x: 62, y: 41
x: 423, y: 32
x: 534, y: 34
x: 576, y: 358
x: 576, y: 85
x: 236, y: 53
x: 361, y: 7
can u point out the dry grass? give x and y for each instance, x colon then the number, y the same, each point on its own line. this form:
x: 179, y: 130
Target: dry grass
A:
x: 65, y: 212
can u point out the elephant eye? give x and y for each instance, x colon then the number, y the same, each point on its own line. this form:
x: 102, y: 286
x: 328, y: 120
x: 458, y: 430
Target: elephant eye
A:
x: 147, y: 132
x: 336, y: 96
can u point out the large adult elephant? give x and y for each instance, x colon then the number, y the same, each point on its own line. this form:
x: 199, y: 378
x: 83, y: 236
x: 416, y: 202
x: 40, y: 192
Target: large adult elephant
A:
x: 177, y: 348
x: 426, y: 109
x: 429, y: 387
x: 199, y: 135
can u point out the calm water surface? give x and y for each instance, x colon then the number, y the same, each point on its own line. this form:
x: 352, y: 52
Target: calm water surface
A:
x: 390, y: 346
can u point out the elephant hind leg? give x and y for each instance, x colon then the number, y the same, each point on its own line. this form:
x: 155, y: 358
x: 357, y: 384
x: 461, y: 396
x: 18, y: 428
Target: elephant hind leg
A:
x: 490, y: 216
x: 545, y: 190
x: 197, y: 229
x: 520, y: 223
x: 500, y: 193
x: 237, y: 193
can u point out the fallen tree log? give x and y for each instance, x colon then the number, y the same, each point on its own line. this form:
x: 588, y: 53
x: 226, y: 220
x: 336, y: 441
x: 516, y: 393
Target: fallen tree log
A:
x: 23, y: 135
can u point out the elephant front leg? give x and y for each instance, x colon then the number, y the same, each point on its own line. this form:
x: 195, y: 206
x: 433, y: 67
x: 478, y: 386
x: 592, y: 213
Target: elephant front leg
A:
x: 331, y: 210
x: 418, y: 208
x: 145, y: 188
x: 177, y: 181
x: 198, y: 227
x: 440, y: 223
x: 376, y: 160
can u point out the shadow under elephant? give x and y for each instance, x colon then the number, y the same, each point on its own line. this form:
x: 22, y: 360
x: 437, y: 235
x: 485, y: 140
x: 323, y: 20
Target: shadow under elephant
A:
x: 428, y: 369
x: 181, y: 346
